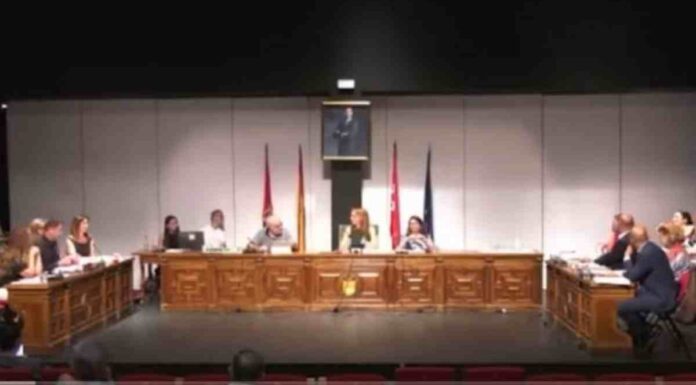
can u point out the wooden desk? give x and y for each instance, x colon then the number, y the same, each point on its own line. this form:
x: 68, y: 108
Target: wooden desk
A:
x: 56, y: 311
x: 587, y: 309
x: 213, y: 281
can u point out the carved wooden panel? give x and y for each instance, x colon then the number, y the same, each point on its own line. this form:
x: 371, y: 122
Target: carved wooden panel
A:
x: 235, y: 282
x: 465, y: 281
x: 416, y: 281
x: 348, y: 282
x: 515, y: 282
x: 110, y: 292
x: 85, y: 303
x: 126, y: 283
x: 58, y: 311
x: 187, y: 283
x: 284, y: 283
x: 551, y: 290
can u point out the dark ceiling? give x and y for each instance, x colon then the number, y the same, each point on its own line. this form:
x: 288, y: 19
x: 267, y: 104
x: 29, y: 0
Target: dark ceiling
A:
x: 301, y: 48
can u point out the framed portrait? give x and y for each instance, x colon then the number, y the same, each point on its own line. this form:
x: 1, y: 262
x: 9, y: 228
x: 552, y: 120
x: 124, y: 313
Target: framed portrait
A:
x: 345, y: 130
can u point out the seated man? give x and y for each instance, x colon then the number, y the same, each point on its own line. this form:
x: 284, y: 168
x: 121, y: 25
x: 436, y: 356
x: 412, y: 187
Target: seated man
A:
x: 48, y: 245
x: 657, y: 291
x: 272, y: 234
x: 613, y: 259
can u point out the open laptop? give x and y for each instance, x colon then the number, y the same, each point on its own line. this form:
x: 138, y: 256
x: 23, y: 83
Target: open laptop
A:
x: 191, y: 240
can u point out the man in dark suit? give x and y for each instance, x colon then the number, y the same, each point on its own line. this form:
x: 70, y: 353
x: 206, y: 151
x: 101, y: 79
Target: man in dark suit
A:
x: 346, y: 134
x: 657, y: 290
x: 613, y: 259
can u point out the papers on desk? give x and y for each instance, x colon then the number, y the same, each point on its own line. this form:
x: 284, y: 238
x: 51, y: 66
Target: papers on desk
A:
x: 68, y: 269
x: 616, y: 281
x: 28, y: 281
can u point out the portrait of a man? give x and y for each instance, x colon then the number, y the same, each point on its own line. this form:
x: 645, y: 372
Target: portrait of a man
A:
x: 346, y: 130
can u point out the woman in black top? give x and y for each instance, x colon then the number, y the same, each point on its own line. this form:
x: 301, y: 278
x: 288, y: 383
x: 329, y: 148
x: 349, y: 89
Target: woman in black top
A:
x: 80, y: 242
x: 170, y: 239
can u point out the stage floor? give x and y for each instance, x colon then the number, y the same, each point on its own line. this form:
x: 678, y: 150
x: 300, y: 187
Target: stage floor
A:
x: 358, y: 337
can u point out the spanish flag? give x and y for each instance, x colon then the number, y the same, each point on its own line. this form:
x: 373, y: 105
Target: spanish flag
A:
x: 301, y: 243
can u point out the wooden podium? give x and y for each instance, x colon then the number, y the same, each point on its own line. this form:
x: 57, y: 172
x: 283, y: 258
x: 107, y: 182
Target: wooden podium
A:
x: 56, y: 311
x: 217, y: 281
x: 587, y: 309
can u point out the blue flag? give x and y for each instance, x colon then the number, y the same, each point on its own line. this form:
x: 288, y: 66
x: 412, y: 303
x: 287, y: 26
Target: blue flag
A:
x: 428, y: 202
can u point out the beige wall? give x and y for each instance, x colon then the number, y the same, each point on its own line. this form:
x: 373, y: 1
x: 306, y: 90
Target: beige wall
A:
x: 512, y: 170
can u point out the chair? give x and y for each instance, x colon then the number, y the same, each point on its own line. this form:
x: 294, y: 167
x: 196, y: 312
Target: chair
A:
x: 283, y: 377
x: 494, y: 373
x: 207, y: 377
x: 557, y: 378
x: 424, y: 373
x: 625, y: 377
x: 146, y: 378
x: 681, y: 377
x: 16, y: 374
x: 662, y: 321
x: 356, y: 377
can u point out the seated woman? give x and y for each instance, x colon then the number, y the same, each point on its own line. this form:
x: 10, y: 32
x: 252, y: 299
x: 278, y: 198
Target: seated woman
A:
x: 684, y: 220
x: 170, y: 238
x: 79, y: 241
x: 36, y: 229
x: 672, y: 239
x: 359, y: 235
x: 20, y: 258
x: 416, y: 239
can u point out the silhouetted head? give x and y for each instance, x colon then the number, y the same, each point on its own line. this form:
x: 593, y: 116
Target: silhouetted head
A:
x: 247, y: 365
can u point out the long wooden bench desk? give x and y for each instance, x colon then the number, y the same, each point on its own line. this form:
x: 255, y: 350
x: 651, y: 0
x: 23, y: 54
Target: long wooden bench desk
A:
x: 57, y: 310
x: 218, y: 281
x: 586, y: 308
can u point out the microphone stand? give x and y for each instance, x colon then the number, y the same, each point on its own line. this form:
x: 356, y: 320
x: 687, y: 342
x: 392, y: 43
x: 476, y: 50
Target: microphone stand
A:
x: 337, y: 308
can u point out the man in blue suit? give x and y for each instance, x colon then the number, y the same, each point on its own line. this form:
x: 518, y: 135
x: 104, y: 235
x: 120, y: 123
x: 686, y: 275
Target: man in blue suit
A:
x: 657, y: 290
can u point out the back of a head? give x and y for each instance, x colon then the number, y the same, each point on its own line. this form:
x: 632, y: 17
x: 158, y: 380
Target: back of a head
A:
x: 626, y: 221
x: 89, y: 362
x: 247, y: 365
x: 639, y: 234
x: 11, y: 325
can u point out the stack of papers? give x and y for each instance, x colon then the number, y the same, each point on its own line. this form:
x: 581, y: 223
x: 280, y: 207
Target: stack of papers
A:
x: 28, y: 281
x: 617, y: 281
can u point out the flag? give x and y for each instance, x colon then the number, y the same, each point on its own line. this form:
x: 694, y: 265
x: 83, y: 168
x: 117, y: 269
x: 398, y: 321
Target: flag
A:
x: 428, y: 202
x: 395, y: 226
x: 300, y: 205
x: 267, y: 202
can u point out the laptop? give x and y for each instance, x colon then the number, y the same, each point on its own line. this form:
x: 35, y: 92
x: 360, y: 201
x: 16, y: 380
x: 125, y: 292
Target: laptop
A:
x: 191, y: 240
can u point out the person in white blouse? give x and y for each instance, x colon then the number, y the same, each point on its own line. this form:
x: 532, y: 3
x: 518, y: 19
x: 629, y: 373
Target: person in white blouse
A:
x: 214, y: 234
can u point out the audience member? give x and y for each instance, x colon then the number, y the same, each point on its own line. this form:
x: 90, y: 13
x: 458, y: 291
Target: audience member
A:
x: 247, y: 365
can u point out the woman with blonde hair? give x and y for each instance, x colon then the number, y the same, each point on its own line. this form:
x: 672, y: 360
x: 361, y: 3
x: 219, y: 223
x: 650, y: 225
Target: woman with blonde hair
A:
x: 20, y: 258
x: 672, y: 239
x: 359, y: 235
x: 36, y: 229
x: 685, y: 221
x: 79, y: 241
